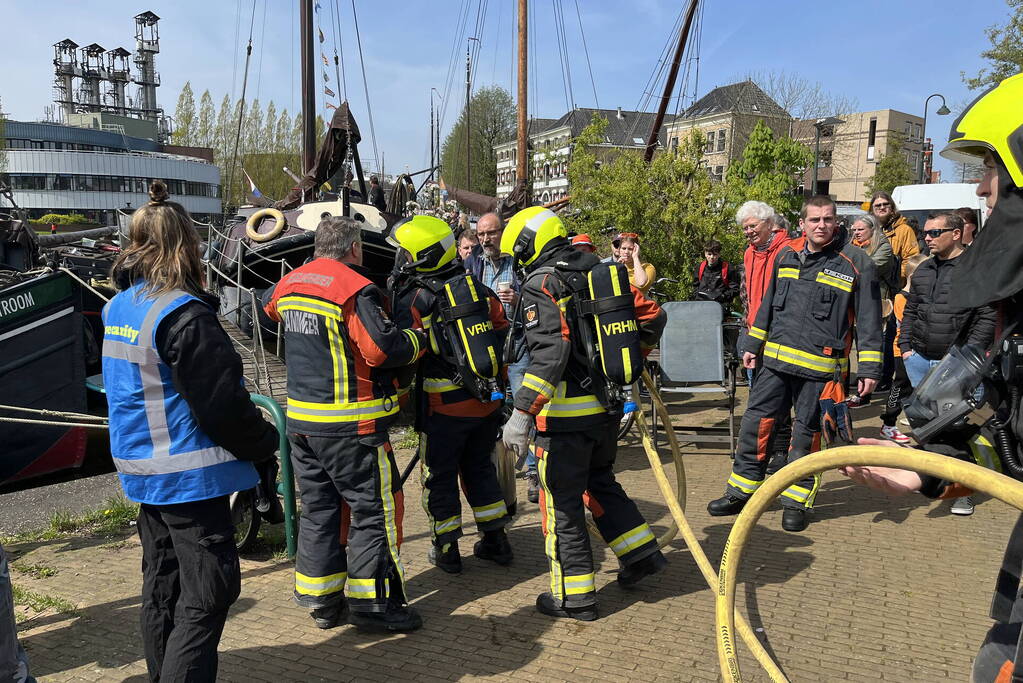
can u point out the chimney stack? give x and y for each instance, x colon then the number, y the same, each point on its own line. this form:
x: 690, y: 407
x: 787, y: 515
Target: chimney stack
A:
x: 620, y: 113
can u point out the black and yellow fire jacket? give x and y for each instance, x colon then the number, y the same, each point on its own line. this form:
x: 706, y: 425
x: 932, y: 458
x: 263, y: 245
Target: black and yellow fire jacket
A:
x: 805, y: 323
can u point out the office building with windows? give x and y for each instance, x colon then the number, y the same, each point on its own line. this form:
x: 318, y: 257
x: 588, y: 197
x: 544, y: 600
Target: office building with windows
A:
x: 54, y: 168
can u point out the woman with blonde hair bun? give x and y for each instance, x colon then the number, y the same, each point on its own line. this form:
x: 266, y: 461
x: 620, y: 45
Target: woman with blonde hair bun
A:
x: 183, y: 436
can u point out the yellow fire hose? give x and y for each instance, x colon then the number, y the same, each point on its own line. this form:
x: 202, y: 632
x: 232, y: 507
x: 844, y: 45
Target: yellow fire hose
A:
x: 675, y: 504
x: 974, y: 476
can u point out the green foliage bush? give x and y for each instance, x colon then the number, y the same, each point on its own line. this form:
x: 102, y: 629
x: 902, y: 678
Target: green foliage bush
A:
x: 62, y: 219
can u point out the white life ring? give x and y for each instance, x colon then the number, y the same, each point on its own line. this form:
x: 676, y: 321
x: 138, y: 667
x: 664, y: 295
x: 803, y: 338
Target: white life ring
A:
x: 256, y: 218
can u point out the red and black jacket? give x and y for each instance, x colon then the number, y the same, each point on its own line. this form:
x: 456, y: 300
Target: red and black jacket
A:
x: 339, y: 348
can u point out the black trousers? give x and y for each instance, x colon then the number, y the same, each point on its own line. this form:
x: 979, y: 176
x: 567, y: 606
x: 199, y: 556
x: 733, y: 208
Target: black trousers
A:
x: 577, y: 471
x: 781, y: 435
x: 901, y: 389
x: 190, y: 577
x: 773, y: 394
x: 358, y: 471
x: 452, y: 446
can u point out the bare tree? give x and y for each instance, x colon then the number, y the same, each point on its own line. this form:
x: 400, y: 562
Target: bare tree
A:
x: 801, y: 97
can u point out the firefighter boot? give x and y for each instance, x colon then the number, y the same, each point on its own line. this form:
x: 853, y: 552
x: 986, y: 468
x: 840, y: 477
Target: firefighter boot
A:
x: 546, y: 604
x: 794, y: 519
x: 494, y: 547
x: 330, y: 616
x: 632, y: 574
x: 397, y: 618
x: 446, y: 557
x: 725, y: 505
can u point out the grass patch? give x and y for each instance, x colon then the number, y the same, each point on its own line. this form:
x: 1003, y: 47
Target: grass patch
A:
x: 409, y: 438
x: 36, y: 571
x: 40, y: 602
x: 115, y: 516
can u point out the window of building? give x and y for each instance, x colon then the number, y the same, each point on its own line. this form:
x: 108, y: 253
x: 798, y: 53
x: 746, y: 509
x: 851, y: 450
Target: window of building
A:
x: 709, y: 147
x: 917, y: 131
x: 674, y: 143
x: 721, y: 140
x: 871, y: 138
x: 824, y: 159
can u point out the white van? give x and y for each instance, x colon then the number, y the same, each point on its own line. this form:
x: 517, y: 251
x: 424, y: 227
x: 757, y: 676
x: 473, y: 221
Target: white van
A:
x: 917, y: 201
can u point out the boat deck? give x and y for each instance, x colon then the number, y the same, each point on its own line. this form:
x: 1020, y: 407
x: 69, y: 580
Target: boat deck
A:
x: 265, y: 373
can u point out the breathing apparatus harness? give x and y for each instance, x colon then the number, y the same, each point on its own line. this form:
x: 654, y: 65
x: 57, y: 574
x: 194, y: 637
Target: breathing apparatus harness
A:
x: 604, y: 330
x: 465, y: 339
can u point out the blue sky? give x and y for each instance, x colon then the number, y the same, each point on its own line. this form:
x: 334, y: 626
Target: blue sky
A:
x: 891, y: 53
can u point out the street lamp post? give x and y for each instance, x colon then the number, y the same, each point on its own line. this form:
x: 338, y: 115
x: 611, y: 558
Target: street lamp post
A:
x: 830, y: 121
x: 942, y: 111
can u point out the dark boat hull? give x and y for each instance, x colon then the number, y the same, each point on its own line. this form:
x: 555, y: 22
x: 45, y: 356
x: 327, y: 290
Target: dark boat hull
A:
x: 42, y: 366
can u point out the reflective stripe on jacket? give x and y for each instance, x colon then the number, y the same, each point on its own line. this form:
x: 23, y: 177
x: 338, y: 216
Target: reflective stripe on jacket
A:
x: 161, y: 454
x: 805, y: 322
x: 338, y: 346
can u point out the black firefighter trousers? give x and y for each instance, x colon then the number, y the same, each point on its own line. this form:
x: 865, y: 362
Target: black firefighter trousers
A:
x: 451, y: 446
x: 190, y: 577
x: 773, y: 394
x: 358, y: 471
x: 577, y: 471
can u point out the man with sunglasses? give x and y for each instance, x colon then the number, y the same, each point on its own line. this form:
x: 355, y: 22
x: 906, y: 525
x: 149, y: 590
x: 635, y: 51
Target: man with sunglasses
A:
x: 930, y: 325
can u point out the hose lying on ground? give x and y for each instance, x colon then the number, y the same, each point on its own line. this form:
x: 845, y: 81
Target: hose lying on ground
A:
x: 676, y: 503
x: 978, y: 478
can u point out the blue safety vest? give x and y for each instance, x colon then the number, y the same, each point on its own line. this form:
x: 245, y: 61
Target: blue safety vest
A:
x: 161, y: 453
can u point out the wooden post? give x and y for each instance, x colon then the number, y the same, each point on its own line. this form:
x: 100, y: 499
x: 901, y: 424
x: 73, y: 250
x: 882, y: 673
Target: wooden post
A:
x: 308, y: 88
x: 521, y: 167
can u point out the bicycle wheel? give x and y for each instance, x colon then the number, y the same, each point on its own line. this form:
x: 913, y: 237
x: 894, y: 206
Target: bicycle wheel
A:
x: 246, y: 519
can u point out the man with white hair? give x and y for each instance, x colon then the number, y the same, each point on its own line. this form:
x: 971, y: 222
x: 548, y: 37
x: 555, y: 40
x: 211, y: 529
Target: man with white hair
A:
x: 766, y: 233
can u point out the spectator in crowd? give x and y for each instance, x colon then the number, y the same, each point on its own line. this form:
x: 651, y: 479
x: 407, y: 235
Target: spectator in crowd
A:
x: 497, y: 272
x: 866, y: 235
x: 895, y: 227
x: 766, y: 235
x: 584, y: 243
x: 641, y: 274
x: 715, y: 279
x: 969, y: 217
x: 376, y: 194
x: 930, y: 325
x: 900, y: 383
x: 466, y: 241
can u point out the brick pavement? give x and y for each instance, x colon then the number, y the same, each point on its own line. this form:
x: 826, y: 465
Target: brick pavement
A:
x: 876, y: 589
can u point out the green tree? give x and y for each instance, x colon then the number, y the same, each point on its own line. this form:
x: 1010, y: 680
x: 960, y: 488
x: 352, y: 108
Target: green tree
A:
x: 205, y: 122
x: 671, y: 202
x: 1005, y: 56
x: 768, y: 171
x: 184, y: 117
x: 892, y: 169
x: 222, y: 132
x: 492, y: 116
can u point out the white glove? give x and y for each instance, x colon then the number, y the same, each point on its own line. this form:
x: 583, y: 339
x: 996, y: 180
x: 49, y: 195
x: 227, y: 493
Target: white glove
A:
x: 516, y: 433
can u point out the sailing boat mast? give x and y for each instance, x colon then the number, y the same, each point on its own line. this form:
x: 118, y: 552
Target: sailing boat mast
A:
x: 669, y: 85
x: 521, y: 172
x: 308, y: 87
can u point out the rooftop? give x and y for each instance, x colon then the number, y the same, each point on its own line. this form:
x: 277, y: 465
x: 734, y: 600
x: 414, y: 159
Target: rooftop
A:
x: 739, y: 98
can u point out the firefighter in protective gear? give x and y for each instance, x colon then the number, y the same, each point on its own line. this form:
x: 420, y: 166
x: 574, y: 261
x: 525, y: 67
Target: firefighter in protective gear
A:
x: 458, y: 423
x: 803, y: 331
x: 576, y: 435
x: 340, y: 349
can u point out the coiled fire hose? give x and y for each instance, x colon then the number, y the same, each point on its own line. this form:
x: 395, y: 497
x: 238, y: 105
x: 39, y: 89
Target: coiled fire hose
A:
x: 978, y: 478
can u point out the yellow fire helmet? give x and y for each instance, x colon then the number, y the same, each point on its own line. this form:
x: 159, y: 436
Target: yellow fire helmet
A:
x: 427, y: 239
x: 992, y: 123
x: 529, y: 231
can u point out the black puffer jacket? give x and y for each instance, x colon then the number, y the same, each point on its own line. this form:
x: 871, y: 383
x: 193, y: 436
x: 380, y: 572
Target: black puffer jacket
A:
x: 930, y: 326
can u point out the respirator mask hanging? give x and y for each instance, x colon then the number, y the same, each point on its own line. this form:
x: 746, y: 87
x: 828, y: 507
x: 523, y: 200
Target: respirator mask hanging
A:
x: 950, y: 392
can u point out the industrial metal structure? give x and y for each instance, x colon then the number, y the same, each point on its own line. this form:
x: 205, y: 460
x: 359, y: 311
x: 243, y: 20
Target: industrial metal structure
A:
x: 94, y: 80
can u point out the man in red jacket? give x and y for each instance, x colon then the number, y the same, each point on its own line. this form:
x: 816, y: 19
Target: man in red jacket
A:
x: 766, y: 236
